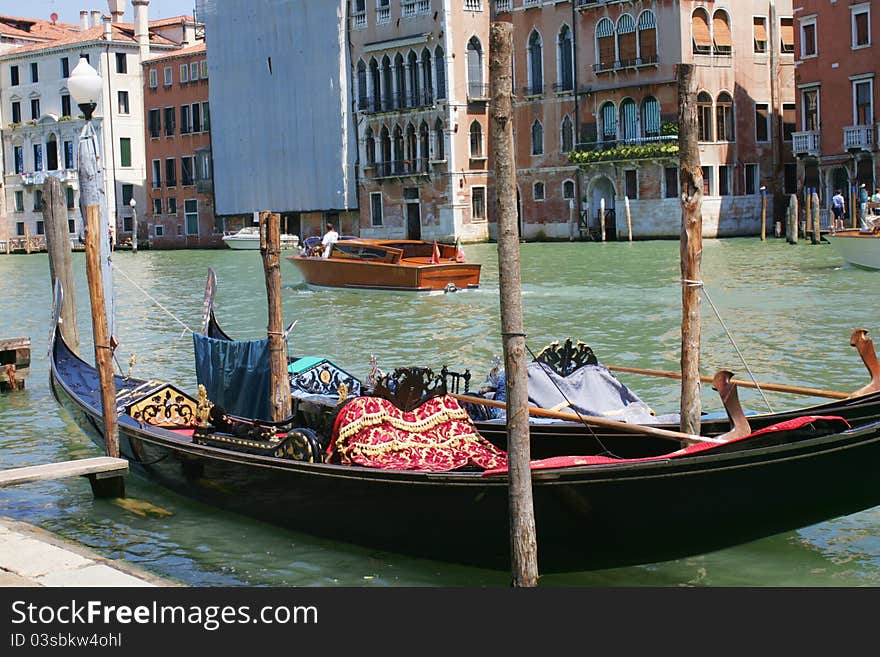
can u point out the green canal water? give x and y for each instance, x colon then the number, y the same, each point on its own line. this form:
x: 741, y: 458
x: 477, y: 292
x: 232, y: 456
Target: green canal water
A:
x: 789, y: 310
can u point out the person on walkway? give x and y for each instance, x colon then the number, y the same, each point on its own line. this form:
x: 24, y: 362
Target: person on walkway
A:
x: 329, y: 238
x: 838, y: 208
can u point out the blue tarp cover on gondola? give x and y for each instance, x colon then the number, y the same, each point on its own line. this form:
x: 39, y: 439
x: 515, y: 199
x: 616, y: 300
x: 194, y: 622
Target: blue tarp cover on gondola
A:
x: 235, y: 374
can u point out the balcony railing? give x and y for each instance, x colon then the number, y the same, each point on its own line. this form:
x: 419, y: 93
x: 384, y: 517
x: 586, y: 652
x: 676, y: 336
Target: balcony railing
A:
x: 359, y: 20
x: 398, y: 101
x: 383, y: 16
x: 414, y: 7
x: 858, y: 137
x: 562, y: 87
x: 805, y: 143
x: 395, y: 168
x: 645, y: 60
x: 503, y: 5
x: 473, y: 5
x: 39, y: 177
x: 478, y: 91
x: 533, y: 90
x: 610, y: 143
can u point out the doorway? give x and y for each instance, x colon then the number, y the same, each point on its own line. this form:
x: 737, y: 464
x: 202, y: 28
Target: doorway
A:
x: 603, y: 188
x: 413, y: 213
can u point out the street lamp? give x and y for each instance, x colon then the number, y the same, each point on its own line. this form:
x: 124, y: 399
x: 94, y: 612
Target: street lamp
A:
x: 84, y: 85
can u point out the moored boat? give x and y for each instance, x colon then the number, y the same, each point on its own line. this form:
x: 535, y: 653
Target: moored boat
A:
x: 858, y: 247
x: 384, y: 264
x: 593, y: 510
x: 248, y: 238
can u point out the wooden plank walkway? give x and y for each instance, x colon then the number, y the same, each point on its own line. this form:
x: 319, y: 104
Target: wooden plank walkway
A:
x: 104, y: 473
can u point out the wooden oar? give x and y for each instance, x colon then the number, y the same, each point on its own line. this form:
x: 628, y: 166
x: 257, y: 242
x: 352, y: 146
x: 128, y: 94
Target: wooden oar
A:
x: 777, y: 387
x: 625, y: 427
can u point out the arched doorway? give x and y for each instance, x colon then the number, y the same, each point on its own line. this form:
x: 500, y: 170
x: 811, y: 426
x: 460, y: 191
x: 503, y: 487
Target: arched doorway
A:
x: 603, y: 188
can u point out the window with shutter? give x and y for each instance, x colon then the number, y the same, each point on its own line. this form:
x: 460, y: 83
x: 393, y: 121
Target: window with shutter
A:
x: 605, y: 54
x: 647, y: 37
x: 760, y: 33
x: 722, y: 39
x: 626, y: 40
x: 786, y: 35
x: 702, y: 37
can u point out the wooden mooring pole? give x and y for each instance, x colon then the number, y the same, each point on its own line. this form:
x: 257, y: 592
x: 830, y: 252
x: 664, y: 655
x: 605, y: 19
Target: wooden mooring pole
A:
x: 103, y: 348
x: 270, y: 249
x: 629, y: 225
x: 602, y: 217
x: 523, y: 540
x: 763, y: 213
x: 60, y: 260
x: 817, y: 220
x: 691, y: 248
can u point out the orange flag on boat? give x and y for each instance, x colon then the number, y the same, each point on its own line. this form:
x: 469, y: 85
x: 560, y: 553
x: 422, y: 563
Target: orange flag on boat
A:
x: 459, y: 254
x: 435, y: 257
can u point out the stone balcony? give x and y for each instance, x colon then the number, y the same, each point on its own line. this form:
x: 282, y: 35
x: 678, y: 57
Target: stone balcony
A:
x: 859, y: 137
x: 806, y: 143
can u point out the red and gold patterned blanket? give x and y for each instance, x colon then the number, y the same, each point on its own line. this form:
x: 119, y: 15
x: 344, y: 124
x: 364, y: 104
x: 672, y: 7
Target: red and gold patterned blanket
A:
x: 437, y: 436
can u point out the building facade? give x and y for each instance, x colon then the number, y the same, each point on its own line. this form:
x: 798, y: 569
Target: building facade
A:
x: 597, y: 111
x: 420, y: 80
x: 836, y: 141
x: 41, y: 124
x: 179, y: 210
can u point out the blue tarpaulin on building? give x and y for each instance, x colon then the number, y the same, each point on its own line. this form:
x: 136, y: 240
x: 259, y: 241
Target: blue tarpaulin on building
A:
x: 235, y: 374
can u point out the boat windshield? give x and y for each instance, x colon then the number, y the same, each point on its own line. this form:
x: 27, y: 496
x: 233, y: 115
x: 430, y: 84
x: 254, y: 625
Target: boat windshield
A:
x: 414, y: 249
x: 364, y: 252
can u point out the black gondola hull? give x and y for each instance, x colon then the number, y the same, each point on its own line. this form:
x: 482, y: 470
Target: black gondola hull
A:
x: 587, y: 517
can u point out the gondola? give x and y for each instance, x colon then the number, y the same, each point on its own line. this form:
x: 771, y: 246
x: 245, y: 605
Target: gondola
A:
x: 551, y: 437
x: 592, y: 510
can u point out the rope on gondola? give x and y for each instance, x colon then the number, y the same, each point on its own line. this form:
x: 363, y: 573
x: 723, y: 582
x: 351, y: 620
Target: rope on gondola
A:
x: 186, y: 329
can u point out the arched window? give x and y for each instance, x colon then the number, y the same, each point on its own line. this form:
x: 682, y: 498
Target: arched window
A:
x: 609, y: 122
x: 651, y: 117
x: 568, y: 189
x: 376, y: 85
x: 415, y: 90
x: 412, y: 146
x: 424, y: 147
x: 538, y: 191
x: 724, y: 125
x: 626, y: 40
x: 704, y: 117
x: 400, y: 98
x: 370, y: 147
x: 721, y: 37
x: 362, y: 90
x: 537, y: 138
x: 702, y: 37
x: 566, y: 134
x: 439, y: 141
x: 475, y: 69
x: 565, y: 59
x: 476, y: 139
x: 536, y: 64
x: 387, y: 84
x: 52, y: 153
x: 440, y: 66
x: 397, y: 145
x: 605, y: 56
x: 385, y: 141
x: 647, y: 37
x: 629, y: 120
x: 427, y: 73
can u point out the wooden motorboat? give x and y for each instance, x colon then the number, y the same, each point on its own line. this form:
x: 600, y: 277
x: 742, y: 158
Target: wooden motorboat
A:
x: 859, y: 247
x: 248, y: 238
x: 384, y: 264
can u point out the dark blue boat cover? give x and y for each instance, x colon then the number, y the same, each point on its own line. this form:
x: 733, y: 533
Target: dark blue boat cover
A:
x: 235, y: 374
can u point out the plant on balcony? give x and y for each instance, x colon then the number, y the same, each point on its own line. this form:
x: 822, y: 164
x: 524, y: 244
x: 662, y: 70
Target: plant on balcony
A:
x: 669, y: 128
x: 66, y: 117
x: 636, y: 152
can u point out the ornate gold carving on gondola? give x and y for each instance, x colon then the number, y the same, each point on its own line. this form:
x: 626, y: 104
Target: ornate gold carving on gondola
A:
x: 410, y: 387
x: 342, y: 392
x: 165, y: 406
x: 567, y: 358
x: 203, y: 408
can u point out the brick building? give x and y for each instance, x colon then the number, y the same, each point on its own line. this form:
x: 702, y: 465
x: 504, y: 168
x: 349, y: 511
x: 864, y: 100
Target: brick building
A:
x: 836, y: 143
x: 596, y: 82
x: 179, y: 212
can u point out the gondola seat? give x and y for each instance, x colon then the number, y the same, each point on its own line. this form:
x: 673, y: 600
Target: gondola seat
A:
x: 410, y: 423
